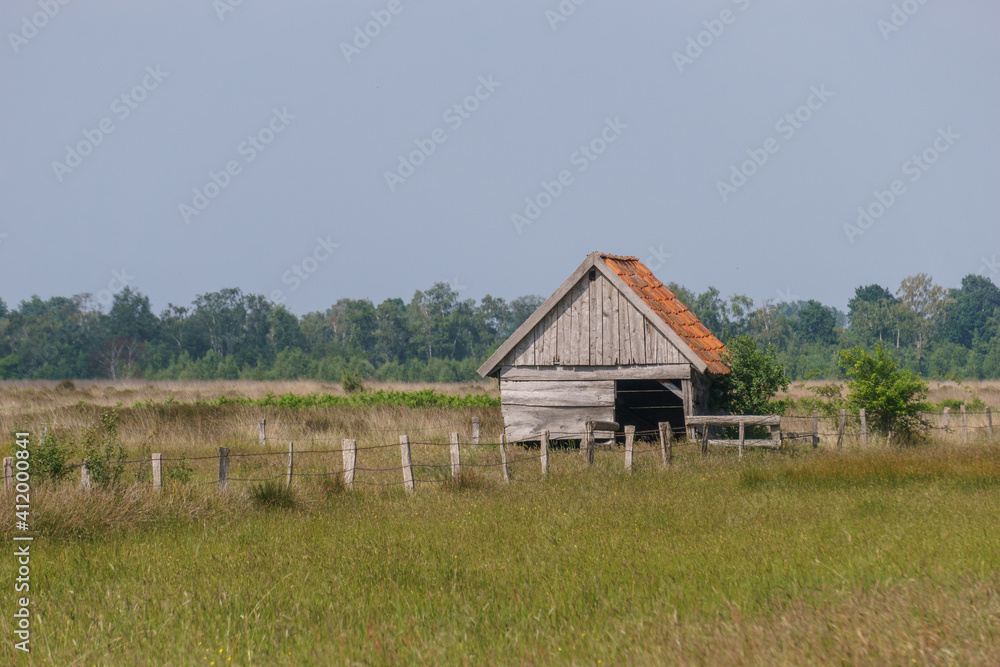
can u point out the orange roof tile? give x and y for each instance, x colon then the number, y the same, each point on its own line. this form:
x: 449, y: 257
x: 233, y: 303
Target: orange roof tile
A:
x: 665, y: 304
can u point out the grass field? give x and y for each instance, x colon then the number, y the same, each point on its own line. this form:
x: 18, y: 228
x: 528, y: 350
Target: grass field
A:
x: 877, y: 555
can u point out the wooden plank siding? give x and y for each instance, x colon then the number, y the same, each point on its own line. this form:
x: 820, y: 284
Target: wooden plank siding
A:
x: 594, y: 324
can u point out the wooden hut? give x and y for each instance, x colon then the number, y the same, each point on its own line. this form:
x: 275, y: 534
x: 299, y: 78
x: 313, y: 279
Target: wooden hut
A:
x: 611, y: 344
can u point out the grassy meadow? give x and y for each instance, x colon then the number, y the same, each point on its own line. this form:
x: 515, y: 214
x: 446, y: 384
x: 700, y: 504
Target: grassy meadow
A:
x: 803, y: 556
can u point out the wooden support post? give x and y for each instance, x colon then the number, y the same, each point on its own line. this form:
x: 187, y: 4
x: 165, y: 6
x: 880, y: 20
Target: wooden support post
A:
x: 704, y: 439
x: 84, y: 476
x: 503, y: 459
x: 965, y: 425
x: 545, y: 453
x: 841, y: 425
x: 8, y: 473
x: 776, y: 434
x: 349, y: 449
x: 291, y: 465
x: 157, y: 472
x: 815, y: 429
x: 864, y: 427
x: 404, y: 451
x: 946, y: 419
x: 629, y: 442
x: 456, y: 461
x: 742, y: 431
x: 989, y: 422
x: 666, y: 443
x: 223, y: 468
x: 262, y: 431
x: 587, y: 444
x: 475, y: 430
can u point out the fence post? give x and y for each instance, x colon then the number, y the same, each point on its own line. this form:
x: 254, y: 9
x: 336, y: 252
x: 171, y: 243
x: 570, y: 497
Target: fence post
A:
x: 262, y: 431
x: 989, y: 422
x: 349, y: 448
x: 704, y: 439
x: 84, y: 476
x: 587, y: 444
x: 157, y: 472
x: 965, y: 425
x: 404, y: 450
x: 545, y: 453
x: 475, y: 430
x: 815, y: 429
x: 666, y: 443
x: 742, y: 431
x: 841, y: 424
x: 291, y: 465
x: 8, y: 473
x: 629, y: 441
x: 456, y: 461
x: 946, y: 419
x: 864, y: 427
x: 223, y: 468
x: 503, y: 459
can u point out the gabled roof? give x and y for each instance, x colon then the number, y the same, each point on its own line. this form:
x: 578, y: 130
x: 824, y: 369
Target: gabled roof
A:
x: 669, y: 309
x: 642, y: 289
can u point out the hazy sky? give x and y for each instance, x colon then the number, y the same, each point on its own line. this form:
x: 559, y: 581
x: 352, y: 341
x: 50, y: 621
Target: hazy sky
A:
x: 191, y: 145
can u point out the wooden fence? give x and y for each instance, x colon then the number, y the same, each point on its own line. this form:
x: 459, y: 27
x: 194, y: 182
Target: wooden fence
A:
x: 504, y: 456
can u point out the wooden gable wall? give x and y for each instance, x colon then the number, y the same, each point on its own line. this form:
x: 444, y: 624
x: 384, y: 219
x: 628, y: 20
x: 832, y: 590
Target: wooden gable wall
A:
x: 594, y: 325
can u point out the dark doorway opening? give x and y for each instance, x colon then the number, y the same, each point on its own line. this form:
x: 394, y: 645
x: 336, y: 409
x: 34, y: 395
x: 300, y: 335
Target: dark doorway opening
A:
x: 646, y: 403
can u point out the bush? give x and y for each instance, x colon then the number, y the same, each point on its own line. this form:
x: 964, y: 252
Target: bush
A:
x: 103, y: 450
x: 65, y: 385
x: 272, y: 494
x: 352, y: 383
x: 891, y: 396
x: 50, y: 458
x: 755, y: 376
x: 180, y: 472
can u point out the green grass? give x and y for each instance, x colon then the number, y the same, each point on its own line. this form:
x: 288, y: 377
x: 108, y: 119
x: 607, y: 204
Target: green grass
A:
x: 423, y: 398
x: 809, y: 559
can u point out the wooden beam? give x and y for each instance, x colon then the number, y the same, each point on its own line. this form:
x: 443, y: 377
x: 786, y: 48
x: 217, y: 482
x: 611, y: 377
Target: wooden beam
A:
x: 733, y: 420
x: 620, y: 372
x: 629, y: 440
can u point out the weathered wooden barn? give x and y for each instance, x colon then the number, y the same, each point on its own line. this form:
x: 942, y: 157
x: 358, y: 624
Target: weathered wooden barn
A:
x: 611, y: 344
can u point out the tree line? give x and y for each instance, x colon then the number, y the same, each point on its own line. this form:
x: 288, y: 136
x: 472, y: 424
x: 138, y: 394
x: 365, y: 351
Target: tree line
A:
x: 437, y: 336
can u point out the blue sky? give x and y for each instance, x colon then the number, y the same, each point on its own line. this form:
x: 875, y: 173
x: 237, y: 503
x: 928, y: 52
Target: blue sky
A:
x: 313, y: 151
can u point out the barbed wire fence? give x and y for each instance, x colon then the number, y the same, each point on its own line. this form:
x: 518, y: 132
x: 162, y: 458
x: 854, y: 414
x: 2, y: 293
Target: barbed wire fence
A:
x: 369, y: 463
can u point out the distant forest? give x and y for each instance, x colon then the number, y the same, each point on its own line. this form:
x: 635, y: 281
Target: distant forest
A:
x: 437, y: 336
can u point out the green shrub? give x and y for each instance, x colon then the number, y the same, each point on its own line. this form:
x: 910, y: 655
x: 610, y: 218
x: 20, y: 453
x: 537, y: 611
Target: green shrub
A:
x: 102, y: 449
x: 181, y: 471
x: 892, y: 396
x: 352, y: 383
x: 50, y: 457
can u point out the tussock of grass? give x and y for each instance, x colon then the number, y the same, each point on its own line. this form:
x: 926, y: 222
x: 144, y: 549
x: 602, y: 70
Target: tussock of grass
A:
x: 272, y: 494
